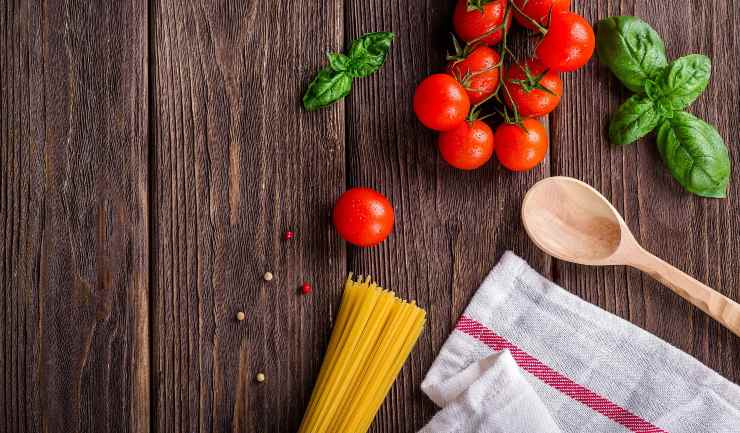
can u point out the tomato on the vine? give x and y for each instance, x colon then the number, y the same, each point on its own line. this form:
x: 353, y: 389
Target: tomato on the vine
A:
x: 441, y: 102
x: 468, y: 146
x: 477, y: 72
x: 539, y: 11
x: 521, y: 147
x: 534, y: 89
x: 568, y: 44
x: 480, y: 20
x: 363, y: 217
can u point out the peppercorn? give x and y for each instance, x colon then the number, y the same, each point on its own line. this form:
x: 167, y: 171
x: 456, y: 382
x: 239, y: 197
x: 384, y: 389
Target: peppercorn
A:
x: 306, y: 288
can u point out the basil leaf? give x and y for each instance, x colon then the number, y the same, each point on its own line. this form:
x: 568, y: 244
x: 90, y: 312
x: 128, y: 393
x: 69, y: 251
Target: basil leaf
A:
x: 367, y: 53
x: 695, y: 155
x: 338, y: 61
x: 631, y: 49
x: 326, y: 88
x: 634, y: 119
x: 683, y: 81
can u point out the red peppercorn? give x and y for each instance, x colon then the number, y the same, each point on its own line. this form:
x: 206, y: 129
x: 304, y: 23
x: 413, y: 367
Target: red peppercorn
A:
x: 306, y: 288
x: 289, y: 235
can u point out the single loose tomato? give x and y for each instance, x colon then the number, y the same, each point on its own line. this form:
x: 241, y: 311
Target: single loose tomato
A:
x: 521, y: 147
x: 539, y: 11
x: 468, y: 146
x: 477, y: 72
x: 568, y: 44
x: 441, y: 102
x: 480, y: 20
x: 363, y: 217
x: 534, y: 89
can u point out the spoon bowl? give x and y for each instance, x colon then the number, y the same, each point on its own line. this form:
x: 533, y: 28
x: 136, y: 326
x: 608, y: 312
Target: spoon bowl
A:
x: 571, y: 221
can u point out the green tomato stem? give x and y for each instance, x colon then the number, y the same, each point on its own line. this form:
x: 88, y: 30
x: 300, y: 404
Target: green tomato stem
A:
x: 537, y: 25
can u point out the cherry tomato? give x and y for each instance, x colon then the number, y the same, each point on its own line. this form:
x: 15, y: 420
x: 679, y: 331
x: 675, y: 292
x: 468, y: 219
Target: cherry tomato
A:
x: 468, y: 146
x: 568, y: 44
x: 520, y: 148
x: 478, y: 72
x: 363, y: 217
x: 480, y: 20
x: 538, y: 10
x: 440, y: 102
x: 534, y: 89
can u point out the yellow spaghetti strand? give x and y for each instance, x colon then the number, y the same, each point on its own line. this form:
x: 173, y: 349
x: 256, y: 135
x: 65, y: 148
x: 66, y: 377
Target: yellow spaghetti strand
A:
x: 373, y: 336
x: 333, y: 390
x: 349, y: 301
x: 372, y: 366
x: 379, y: 364
x: 400, y: 350
x: 369, y: 334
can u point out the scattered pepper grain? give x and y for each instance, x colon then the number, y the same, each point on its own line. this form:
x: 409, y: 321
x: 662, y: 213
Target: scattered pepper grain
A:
x: 240, y: 316
x: 306, y: 288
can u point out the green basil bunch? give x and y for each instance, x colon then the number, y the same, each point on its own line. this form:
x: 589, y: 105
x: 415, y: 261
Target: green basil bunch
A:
x: 366, y: 55
x: 692, y: 149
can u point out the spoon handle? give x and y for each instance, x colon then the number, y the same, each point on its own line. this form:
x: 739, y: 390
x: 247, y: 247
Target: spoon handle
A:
x: 719, y: 307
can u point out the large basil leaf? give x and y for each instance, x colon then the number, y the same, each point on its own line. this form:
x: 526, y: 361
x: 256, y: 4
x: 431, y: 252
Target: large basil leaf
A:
x: 633, y: 120
x: 695, y: 155
x: 682, y: 82
x: 631, y: 49
x: 326, y: 88
x: 367, y: 53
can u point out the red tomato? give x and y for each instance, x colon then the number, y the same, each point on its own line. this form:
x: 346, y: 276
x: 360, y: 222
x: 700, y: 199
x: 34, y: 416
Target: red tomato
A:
x: 363, y: 217
x: 538, y: 10
x: 440, y: 102
x: 568, y: 44
x: 468, y: 146
x: 534, y: 89
x: 478, y: 72
x: 475, y: 19
x: 521, y: 148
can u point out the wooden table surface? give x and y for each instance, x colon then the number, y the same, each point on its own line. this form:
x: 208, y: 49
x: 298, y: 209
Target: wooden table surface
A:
x: 154, y: 153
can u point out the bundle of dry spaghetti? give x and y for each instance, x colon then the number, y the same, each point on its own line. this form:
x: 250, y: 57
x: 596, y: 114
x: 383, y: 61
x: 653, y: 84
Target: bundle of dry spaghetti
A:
x: 373, y: 335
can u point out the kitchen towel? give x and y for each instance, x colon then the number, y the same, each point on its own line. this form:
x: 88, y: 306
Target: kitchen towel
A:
x: 584, y: 369
x: 492, y: 396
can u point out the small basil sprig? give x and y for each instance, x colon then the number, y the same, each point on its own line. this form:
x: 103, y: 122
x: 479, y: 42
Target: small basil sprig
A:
x: 692, y: 149
x: 366, y: 55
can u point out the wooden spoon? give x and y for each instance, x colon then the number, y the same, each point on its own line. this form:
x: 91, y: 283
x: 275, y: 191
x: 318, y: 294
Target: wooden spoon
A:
x: 570, y: 220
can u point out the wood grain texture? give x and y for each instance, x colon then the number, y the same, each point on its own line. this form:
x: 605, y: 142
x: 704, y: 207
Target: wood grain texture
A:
x: 695, y: 234
x: 154, y: 152
x: 236, y: 163
x: 451, y: 226
x: 73, y: 217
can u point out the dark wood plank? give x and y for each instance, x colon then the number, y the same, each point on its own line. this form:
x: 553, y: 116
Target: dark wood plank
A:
x: 698, y: 235
x: 73, y: 214
x: 236, y: 163
x: 451, y: 226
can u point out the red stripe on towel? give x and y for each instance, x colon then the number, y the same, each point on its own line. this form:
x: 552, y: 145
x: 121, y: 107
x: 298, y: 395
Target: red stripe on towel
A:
x: 556, y: 380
